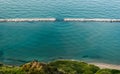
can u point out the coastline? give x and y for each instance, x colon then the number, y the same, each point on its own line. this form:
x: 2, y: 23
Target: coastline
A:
x: 105, y: 65
x: 101, y: 65
x: 61, y: 67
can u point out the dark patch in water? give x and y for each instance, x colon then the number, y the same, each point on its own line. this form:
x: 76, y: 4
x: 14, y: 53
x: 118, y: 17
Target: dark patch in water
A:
x: 11, y: 59
x: 54, y: 58
x: 1, y: 53
x: 85, y: 56
x: 59, y: 20
x: 91, y: 56
x: 31, y: 22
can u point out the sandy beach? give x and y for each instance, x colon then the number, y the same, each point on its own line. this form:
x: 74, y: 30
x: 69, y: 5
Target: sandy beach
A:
x: 105, y: 65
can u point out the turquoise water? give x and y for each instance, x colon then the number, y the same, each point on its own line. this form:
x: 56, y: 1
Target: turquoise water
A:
x: 46, y: 41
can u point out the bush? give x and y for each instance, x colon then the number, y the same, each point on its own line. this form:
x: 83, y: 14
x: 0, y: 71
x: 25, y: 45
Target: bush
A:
x: 11, y: 70
x: 74, y: 67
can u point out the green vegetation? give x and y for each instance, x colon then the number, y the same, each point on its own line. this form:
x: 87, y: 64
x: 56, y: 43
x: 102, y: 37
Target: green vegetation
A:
x: 108, y: 71
x: 11, y: 70
x: 56, y: 67
x: 74, y: 67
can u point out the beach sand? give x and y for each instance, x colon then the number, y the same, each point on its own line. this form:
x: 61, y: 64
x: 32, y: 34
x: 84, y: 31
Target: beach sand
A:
x: 105, y: 65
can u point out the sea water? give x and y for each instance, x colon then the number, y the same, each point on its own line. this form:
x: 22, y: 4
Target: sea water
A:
x: 45, y: 41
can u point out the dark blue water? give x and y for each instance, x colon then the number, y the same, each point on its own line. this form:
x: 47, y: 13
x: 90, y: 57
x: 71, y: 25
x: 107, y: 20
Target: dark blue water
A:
x: 45, y: 41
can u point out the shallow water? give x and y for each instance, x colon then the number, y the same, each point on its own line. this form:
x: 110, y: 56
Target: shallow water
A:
x: 45, y: 41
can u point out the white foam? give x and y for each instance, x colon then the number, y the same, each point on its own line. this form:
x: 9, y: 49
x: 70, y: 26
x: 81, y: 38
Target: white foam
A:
x: 27, y: 19
x: 90, y: 20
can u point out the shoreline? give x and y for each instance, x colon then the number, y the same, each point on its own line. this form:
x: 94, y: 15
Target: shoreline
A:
x: 106, y: 65
x: 101, y: 65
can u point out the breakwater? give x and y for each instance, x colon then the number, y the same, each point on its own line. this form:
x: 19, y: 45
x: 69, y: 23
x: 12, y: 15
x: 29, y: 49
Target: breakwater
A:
x: 54, y: 19
x: 90, y: 20
x: 28, y: 20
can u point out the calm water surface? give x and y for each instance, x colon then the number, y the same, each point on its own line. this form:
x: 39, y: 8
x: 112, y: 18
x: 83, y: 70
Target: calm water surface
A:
x: 45, y: 41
